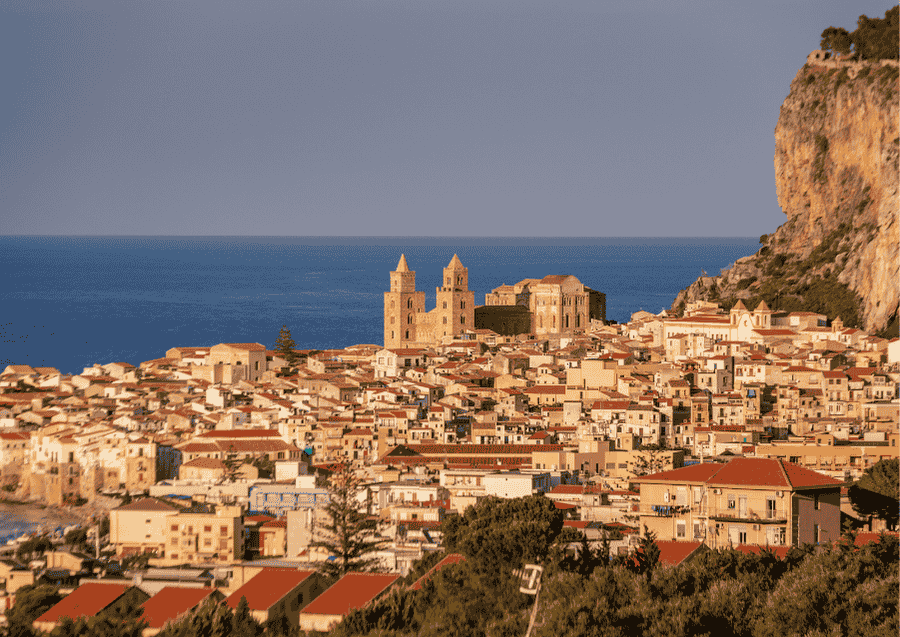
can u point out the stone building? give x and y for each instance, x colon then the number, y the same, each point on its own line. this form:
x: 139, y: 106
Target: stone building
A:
x: 407, y: 325
x: 557, y: 304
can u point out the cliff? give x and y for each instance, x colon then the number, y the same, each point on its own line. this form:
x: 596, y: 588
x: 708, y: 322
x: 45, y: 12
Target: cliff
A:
x: 836, y: 176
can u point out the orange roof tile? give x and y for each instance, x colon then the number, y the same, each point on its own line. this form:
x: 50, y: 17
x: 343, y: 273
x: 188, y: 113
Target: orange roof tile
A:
x: 353, y: 590
x: 171, y: 602
x: 268, y: 587
x: 85, y: 601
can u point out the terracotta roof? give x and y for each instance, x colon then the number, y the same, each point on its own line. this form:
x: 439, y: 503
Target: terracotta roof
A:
x: 673, y: 553
x: 171, y: 602
x: 85, y: 601
x: 353, y: 590
x: 693, y: 473
x: 750, y: 472
x: 268, y: 587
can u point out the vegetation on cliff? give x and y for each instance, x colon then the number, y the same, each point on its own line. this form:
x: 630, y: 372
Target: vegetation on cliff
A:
x: 873, y: 39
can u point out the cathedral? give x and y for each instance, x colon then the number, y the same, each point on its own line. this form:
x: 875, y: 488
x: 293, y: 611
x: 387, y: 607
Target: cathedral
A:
x: 407, y: 324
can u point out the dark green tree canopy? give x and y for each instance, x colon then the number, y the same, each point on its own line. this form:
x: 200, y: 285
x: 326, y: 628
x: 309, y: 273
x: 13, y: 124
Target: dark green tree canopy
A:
x: 877, y: 492
x: 873, y: 38
x: 505, y: 533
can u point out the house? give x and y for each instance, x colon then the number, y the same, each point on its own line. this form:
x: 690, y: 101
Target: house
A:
x: 353, y: 590
x: 140, y: 527
x: 89, y: 600
x: 747, y: 501
x: 278, y: 594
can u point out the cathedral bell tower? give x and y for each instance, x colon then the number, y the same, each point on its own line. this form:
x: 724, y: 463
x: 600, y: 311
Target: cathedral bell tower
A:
x: 401, y: 305
x: 455, y: 310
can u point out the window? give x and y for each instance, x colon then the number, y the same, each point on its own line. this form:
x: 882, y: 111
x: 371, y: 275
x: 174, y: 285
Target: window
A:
x: 770, y: 508
x: 207, y: 528
x: 816, y: 532
x: 223, y: 530
x: 223, y: 545
x: 462, y: 319
x: 174, y: 527
x: 445, y: 305
x: 816, y: 504
x: 742, y: 537
x: 680, y: 531
x: 731, y: 502
x: 207, y: 542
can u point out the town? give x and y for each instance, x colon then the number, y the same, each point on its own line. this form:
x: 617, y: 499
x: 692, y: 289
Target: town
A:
x: 719, y: 428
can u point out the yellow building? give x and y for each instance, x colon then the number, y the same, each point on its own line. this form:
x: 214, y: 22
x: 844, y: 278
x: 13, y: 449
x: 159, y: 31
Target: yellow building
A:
x: 204, y: 537
x: 747, y: 501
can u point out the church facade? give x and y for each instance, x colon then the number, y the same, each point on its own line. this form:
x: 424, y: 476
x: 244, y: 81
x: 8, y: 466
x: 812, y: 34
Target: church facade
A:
x: 408, y: 325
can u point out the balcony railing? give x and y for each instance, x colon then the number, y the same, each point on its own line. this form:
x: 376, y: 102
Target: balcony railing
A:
x: 770, y: 517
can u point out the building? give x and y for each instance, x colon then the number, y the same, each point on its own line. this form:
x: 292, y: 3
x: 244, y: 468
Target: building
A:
x: 407, y: 325
x: 353, y: 590
x: 747, y: 501
x: 278, y: 595
x: 89, y: 600
x: 557, y: 304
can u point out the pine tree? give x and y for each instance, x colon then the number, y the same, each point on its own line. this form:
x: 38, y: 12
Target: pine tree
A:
x: 347, y: 534
x: 285, y: 345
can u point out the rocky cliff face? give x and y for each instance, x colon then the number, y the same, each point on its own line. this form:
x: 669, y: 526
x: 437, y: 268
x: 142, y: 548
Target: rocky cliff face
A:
x: 836, y: 175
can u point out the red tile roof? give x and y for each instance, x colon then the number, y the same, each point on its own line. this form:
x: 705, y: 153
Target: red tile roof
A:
x: 749, y: 472
x: 268, y: 587
x: 85, y: 601
x: 353, y: 590
x: 170, y: 603
x: 673, y: 553
x: 769, y: 472
x: 693, y: 473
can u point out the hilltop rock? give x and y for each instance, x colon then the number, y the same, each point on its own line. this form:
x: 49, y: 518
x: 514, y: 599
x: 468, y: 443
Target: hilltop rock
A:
x: 837, y: 146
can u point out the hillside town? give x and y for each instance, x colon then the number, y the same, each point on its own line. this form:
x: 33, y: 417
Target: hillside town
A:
x: 723, y: 427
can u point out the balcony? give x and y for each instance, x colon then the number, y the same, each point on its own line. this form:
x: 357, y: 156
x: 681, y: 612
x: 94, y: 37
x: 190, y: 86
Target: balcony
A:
x: 751, y: 517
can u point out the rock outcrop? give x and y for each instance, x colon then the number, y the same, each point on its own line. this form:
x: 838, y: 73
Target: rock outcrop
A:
x: 836, y: 175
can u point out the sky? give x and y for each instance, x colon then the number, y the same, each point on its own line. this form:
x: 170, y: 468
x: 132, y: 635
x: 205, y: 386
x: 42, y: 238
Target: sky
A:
x: 399, y: 118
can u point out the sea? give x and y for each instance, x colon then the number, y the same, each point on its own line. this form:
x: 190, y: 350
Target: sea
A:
x: 72, y: 301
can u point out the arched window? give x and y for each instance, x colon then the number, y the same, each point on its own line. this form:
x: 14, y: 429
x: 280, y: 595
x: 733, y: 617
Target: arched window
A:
x: 407, y: 334
x: 409, y: 303
x: 445, y: 305
x: 409, y: 319
x: 445, y: 320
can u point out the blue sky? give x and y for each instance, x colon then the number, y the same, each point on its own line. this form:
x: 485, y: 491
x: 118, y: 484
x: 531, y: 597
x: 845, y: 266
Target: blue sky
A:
x: 399, y: 118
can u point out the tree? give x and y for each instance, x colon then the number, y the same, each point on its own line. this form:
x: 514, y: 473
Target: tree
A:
x: 647, y: 554
x: 31, y: 603
x: 285, y: 345
x: 500, y: 534
x: 29, y: 548
x: 76, y: 537
x: 837, y: 40
x: 347, y: 534
x: 877, y: 492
